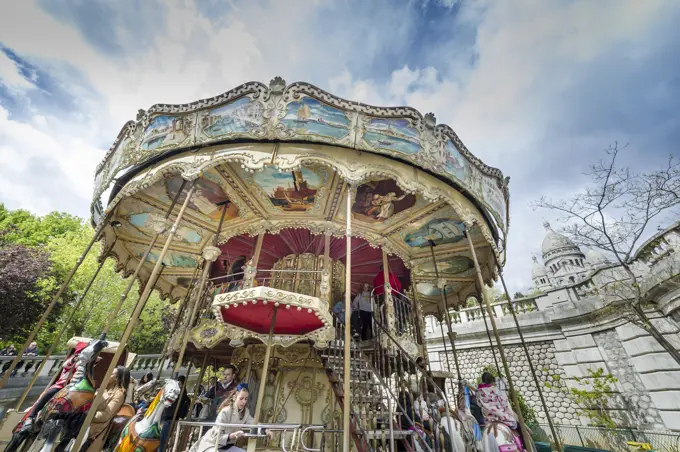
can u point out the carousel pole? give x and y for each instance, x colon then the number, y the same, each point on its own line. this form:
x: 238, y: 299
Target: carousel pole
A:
x: 528, y: 355
x: 132, y: 323
x: 488, y: 334
x: 180, y: 314
x: 348, y: 333
x: 388, y: 300
x: 513, y: 394
x: 210, y: 255
x: 63, y: 328
x: 445, y: 303
x: 252, y: 443
x: 49, y: 308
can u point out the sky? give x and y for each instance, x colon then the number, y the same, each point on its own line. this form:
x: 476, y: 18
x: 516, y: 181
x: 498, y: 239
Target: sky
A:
x: 536, y: 88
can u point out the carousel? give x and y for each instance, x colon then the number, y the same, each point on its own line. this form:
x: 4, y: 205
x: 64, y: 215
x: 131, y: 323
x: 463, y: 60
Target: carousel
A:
x: 303, y: 239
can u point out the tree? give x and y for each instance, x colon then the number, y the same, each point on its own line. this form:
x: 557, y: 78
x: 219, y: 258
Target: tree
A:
x: 103, y: 297
x: 594, y: 395
x: 518, y: 295
x: 613, y: 215
x: 22, y: 290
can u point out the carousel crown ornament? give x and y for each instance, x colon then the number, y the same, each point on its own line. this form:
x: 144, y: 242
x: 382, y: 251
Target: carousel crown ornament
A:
x: 268, y: 211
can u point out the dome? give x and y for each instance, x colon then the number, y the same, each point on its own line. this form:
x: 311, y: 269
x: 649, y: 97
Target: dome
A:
x: 539, y: 269
x: 554, y: 241
x: 595, y: 257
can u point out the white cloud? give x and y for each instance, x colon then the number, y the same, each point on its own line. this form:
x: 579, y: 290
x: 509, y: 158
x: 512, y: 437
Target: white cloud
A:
x: 500, y: 93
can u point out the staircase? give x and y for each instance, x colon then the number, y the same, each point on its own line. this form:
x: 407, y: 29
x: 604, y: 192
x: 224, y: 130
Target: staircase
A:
x: 372, y: 399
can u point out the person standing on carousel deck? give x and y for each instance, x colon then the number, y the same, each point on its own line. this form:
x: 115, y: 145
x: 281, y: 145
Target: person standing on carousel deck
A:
x: 364, y: 305
x: 235, y: 275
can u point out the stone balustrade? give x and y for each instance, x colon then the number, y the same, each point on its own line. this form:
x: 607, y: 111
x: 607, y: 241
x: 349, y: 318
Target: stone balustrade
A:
x: 473, y: 314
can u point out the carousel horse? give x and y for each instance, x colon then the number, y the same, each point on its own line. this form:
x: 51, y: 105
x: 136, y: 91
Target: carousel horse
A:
x: 118, y: 423
x: 62, y: 416
x: 458, y: 427
x: 144, y: 435
x: 498, y: 437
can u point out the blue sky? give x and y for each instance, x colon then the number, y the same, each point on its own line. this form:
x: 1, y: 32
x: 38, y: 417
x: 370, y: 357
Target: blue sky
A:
x: 537, y: 88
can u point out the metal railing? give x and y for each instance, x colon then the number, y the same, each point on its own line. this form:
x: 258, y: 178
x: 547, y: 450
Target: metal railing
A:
x: 613, y: 439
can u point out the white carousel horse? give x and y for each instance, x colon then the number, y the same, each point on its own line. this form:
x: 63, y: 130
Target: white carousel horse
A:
x: 455, y: 431
x: 498, y: 437
x: 144, y: 435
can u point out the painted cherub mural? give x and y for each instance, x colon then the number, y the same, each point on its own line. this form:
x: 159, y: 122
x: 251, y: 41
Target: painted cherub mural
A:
x: 378, y: 201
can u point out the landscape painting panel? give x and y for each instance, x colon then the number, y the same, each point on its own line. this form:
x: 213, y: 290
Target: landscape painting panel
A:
x: 394, y: 134
x: 163, y: 131
x: 241, y: 116
x: 455, y: 164
x: 291, y: 191
x: 308, y: 116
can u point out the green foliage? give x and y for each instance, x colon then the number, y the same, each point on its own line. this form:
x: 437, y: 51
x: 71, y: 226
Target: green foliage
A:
x: 471, y: 302
x: 63, y: 238
x: 24, y: 228
x: 527, y: 411
x: 594, y: 395
x: 518, y: 295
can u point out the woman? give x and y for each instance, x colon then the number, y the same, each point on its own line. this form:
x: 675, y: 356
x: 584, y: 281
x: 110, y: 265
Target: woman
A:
x: 494, y: 404
x: 231, y: 411
x: 363, y: 304
x: 114, y: 397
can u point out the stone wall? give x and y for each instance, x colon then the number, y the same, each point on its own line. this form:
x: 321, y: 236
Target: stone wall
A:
x: 473, y: 360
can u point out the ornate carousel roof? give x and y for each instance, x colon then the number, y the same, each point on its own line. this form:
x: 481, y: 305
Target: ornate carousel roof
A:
x: 281, y: 158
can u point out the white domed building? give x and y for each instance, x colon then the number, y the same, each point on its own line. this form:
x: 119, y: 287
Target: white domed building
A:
x: 563, y: 261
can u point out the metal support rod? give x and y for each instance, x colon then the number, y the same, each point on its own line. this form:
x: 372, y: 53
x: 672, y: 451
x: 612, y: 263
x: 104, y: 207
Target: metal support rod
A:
x: 252, y: 443
x: 175, y: 325
x: 388, y: 301
x: 528, y: 355
x: 348, y: 330
x: 49, y: 308
x: 197, y: 386
x: 488, y: 333
x: 66, y: 324
x: 199, y: 296
x: 445, y: 302
x: 513, y: 394
x: 132, y: 323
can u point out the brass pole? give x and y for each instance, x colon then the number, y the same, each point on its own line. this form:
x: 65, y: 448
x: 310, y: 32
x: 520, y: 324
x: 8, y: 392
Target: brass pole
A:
x: 513, y: 395
x: 348, y: 320
x: 201, y: 375
x: 180, y: 314
x: 528, y: 355
x: 387, y: 295
x: 49, y: 308
x: 445, y: 302
x: 252, y: 443
x: 132, y: 323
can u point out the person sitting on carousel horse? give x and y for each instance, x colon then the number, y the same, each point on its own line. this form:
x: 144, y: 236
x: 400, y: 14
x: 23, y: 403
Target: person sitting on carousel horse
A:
x: 114, y: 398
x: 234, y: 410
x: 67, y: 371
x: 494, y: 403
